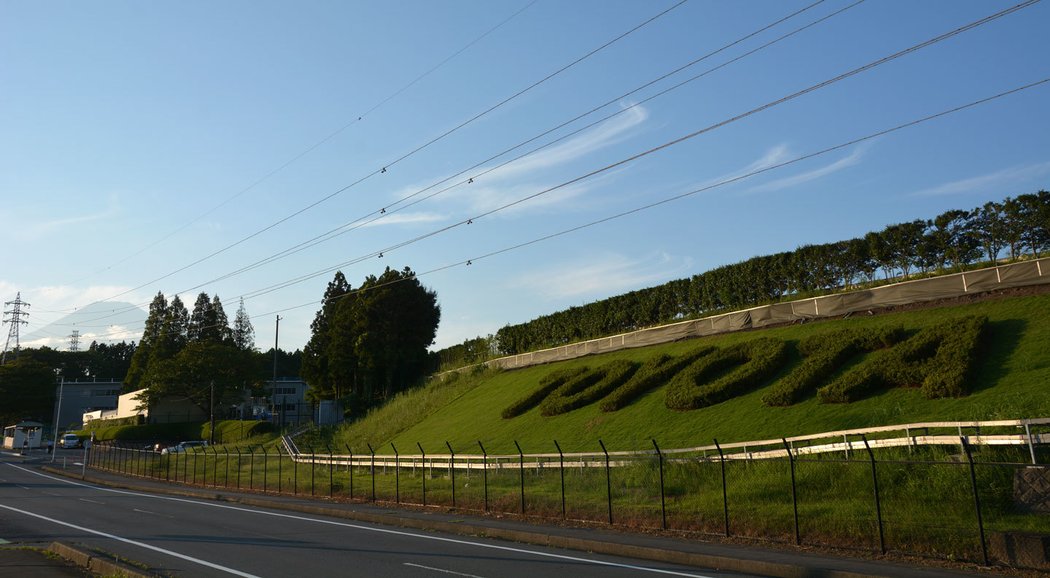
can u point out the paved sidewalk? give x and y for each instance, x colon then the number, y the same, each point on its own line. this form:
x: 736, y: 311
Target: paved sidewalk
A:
x: 786, y: 562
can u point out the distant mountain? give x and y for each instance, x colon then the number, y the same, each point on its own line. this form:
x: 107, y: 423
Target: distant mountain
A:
x: 106, y: 322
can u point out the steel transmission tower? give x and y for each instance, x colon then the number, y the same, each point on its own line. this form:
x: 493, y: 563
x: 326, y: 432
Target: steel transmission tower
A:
x: 74, y: 340
x: 14, y: 316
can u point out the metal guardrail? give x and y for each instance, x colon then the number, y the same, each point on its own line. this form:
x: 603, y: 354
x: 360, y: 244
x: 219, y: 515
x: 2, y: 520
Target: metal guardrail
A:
x: 852, y: 440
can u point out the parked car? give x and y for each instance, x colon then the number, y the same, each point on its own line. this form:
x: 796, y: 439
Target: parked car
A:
x: 182, y: 447
x: 69, y: 441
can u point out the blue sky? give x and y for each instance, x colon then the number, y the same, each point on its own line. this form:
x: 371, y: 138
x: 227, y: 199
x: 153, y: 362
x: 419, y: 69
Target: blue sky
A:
x: 140, y: 138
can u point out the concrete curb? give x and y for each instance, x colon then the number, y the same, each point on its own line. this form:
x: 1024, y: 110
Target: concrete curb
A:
x: 95, y: 564
x: 666, y: 555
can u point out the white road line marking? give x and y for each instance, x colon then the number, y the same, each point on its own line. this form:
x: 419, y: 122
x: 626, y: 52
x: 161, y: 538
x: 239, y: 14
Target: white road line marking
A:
x: 443, y: 571
x: 92, y: 501
x: 134, y: 543
x: 144, y: 511
x: 370, y: 529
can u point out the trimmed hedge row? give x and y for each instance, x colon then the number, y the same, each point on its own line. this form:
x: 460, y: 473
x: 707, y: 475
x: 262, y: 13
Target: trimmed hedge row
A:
x: 653, y: 373
x: 226, y: 430
x: 823, y: 355
x: 587, y: 388
x: 757, y: 361
x: 548, y: 384
x: 940, y: 359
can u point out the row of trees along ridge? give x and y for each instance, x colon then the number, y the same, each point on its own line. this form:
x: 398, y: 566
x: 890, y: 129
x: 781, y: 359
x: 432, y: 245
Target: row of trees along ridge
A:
x: 951, y: 241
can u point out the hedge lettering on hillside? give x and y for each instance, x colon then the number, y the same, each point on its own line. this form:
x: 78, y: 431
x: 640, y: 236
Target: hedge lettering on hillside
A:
x: 548, y: 384
x: 940, y: 359
x: 823, y: 355
x: 726, y: 373
x: 587, y: 388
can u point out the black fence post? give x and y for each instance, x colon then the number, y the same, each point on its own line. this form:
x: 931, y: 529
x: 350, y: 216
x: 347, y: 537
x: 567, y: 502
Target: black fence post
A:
x: 280, y: 474
x: 215, y: 467
x: 452, y: 470
x: 725, y: 493
x: 204, y: 478
x: 878, y: 501
x: 608, y: 480
x: 521, y: 470
x: 185, y: 466
x: 266, y: 465
x: 424, y: 454
x: 167, y: 467
x: 226, y: 476
x: 295, y: 473
x: 238, y: 467
x: 663, y: 502
x: 251, y: 468
x: 397, y: 475
x: 373, y: 471
x: 976, y: 498
x: 794, y: 494
x: 331, y: 475
x: 561, y: 470
x: 350, y: 471
x: 313, y: 469
x: 485, y: 473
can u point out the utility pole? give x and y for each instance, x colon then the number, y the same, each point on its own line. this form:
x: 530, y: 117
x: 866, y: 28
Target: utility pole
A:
x: 211, y: 439
x: 74, y: 340
x: 14, y: 317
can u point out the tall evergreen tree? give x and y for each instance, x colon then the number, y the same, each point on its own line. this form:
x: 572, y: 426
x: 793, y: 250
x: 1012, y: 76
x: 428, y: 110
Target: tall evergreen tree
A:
x: 243, y: 332
x: 315, y: 354
x: 158, y: 309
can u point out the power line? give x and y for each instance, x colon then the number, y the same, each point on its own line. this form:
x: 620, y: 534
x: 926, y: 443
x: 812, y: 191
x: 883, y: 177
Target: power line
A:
x: 401, y: 204
x: 414, y: 151
x: 652, y: 150
x: 722, y: 183
x: 316, y: 145
x: 655, y: 149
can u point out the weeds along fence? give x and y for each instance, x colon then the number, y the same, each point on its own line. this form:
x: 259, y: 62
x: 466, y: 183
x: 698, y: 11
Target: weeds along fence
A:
x: 959, y: 490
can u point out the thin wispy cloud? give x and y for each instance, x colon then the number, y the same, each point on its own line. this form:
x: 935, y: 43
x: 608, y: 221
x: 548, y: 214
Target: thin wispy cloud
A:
x: 406, y: 219
x: 611, y: 132
x: 41, y: 229
x: 774, y: 155
x: 990, y: 182
x: 852, y: 159
x: 603, y: 275
x: 526, y: 176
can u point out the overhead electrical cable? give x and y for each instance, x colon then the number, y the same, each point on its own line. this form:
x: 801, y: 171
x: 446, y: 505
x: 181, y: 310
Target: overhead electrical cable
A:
x: 663, y: 146
x: 414, y: 151
x: 317, y: 144
x: 402, y: 203
x: 680, y: 196
x: 652, y: 150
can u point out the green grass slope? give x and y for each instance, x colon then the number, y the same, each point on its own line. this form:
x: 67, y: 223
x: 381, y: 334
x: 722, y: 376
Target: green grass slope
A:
x: 1012, y: 380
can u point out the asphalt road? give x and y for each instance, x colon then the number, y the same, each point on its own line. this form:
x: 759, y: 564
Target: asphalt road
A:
x: 188, y: 537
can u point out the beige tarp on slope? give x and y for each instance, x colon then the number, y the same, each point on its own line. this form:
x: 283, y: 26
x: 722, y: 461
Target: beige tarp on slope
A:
x: 1002, y: 277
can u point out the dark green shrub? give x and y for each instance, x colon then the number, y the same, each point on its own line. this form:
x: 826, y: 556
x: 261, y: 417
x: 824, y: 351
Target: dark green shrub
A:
x: 587, y: 387
x: 653, y: 373
x: 824, y: 354
x: 549, y: 383
x: 754, y: 361
x: 940, y: 359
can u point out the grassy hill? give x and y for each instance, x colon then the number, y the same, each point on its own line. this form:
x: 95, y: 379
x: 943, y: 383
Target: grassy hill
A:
x: 1011, y: 380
